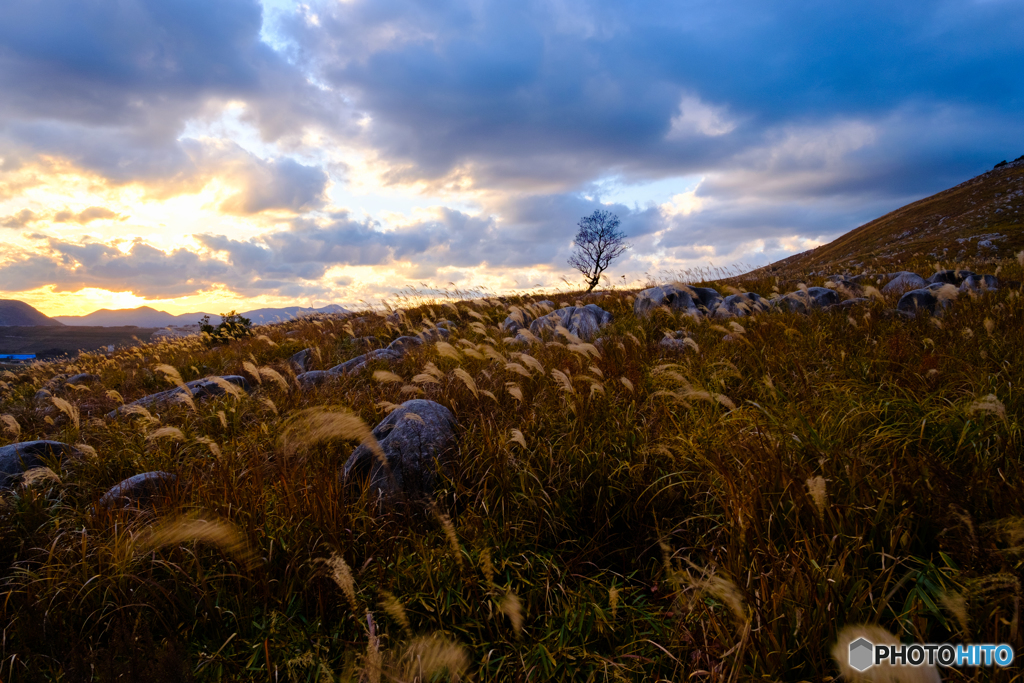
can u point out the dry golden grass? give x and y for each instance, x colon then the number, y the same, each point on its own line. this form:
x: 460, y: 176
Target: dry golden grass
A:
x: 810, y: 472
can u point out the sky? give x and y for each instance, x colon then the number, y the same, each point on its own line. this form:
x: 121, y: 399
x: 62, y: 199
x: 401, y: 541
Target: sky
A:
x: 193, y: 155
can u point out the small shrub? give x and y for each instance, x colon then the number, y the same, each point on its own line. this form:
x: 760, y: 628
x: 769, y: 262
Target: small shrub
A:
x: 232, y: 326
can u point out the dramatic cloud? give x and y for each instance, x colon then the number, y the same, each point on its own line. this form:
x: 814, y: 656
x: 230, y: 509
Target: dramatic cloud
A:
x: 439, y: 140
x: 18, y: 220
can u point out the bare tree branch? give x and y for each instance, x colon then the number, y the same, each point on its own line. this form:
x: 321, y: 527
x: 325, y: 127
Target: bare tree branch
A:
x: 598, y: 242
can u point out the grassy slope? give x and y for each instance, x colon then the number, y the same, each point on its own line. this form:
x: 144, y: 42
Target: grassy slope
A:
x: 918, y: 235
x: 726, y: 510
x: 605, y: 527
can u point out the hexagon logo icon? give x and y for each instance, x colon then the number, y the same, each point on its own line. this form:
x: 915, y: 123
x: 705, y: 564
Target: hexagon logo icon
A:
x: 861, y: 651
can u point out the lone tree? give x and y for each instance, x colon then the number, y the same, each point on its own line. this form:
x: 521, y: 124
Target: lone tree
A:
x: 598, y: 243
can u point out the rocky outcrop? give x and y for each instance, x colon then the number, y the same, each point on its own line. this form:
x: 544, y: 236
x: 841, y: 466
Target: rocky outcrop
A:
x: 142, y: 490
x: 17, y: 458
x: 199, y: 388
x: 416, y: 438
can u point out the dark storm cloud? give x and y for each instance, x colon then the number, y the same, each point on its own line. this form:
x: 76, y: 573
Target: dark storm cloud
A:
x: 563, y: 92
x: 109, y: 85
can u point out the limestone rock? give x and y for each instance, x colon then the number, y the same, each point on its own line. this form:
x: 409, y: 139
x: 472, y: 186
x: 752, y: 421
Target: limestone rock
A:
x: 416, y: 438
x: 17, y: 458
x: 850, y: 303
x: 676, y: 341
x: 582, y: 321
x: 920, y: 301
x: 904, y: 281
x: 200, y: 388
x: 359, y: 363
x: 676, y: 297
x: 312, y: 378
x: 740, y: 305
x: 302, y: 360
x: 141, y: 490
x: 522, y: 316
x: 949, y: 277
x: 848, y: 288
x: 823, y: 296
x: 980, y: 283
x: 802, y: 301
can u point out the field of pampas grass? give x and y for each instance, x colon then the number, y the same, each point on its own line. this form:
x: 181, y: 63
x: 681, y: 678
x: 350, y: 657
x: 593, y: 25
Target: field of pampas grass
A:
x: 616, y: 511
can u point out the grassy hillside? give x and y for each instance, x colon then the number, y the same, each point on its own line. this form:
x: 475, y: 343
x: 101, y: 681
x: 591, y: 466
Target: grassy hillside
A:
x: 19, y: 313
x: 717, y: 513
x: 946, y: 227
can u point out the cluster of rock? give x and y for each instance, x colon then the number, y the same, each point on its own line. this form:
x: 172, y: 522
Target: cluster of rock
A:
x: 58, y: 383
x: 582, y: 321
x: 935, y: 293
x: 917, y: 294
x: 140, y: 490
x: 392, y: 352
x: 704, y: 302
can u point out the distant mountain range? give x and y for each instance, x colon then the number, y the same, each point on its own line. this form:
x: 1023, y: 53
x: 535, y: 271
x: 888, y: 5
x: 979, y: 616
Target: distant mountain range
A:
x: 19, y: 313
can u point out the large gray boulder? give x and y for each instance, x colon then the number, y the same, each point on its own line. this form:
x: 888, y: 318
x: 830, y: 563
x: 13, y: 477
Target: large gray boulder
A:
x: 823, y: 296
x: 394, y: 351
x: 522, y: 316
x: 359, y: 363
x: 142, y: 490
x: 904, y: 281
x: 17, y: 458
x: 417, y: 438
x: 740, y: 305
x: 979, y: 283
x: 949, y: 277
x: 199, y: 388
x: 582, y: 321
x: 923, y: 300
x: 312, y: 378
x: 302, y: 360
x: 707, y: 299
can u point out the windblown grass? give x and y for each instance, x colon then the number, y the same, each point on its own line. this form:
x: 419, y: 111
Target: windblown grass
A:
x: 615, y: 512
